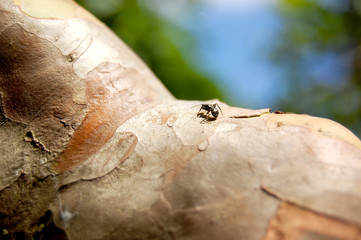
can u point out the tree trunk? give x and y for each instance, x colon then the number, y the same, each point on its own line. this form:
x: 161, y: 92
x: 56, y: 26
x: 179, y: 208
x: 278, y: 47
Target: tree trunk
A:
x: 94, y: 147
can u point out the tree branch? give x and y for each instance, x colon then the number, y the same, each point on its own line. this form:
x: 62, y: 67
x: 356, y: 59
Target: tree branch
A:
x: 94, y: 147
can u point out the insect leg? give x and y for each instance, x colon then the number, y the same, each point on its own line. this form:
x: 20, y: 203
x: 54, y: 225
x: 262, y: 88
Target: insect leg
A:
x: 199, y: 111
x: 216, y: 104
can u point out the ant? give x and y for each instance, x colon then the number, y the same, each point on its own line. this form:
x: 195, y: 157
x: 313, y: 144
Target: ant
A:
x: 210, y: 108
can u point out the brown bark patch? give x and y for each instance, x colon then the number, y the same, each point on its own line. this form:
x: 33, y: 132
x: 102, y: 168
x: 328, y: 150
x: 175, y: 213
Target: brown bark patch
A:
x: 294, y: 223
x: 36, y: 87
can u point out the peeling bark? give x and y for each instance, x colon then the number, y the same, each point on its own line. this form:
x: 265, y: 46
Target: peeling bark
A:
x: 94, y: 147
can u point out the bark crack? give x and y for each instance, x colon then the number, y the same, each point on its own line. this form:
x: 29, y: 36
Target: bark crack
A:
x: 30, y: 137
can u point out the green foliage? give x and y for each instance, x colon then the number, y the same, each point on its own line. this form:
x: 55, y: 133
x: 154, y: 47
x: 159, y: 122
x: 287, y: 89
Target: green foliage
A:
x: 313, y: 31
x: 163, y: 45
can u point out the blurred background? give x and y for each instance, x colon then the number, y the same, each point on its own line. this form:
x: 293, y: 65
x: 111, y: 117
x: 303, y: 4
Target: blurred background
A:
x: 299, y: 56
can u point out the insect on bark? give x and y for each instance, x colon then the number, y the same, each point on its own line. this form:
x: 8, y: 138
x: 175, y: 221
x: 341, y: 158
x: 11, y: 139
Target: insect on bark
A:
x: 212, y: 111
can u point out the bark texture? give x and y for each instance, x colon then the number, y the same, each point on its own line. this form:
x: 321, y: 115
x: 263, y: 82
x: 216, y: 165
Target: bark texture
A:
x: 94, y: 147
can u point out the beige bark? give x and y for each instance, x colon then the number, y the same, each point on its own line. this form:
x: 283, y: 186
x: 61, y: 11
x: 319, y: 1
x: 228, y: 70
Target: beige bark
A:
x: 94, y: 147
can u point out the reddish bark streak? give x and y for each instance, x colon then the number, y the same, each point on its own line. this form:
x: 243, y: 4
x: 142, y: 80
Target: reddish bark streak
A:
x: 108, y: 107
